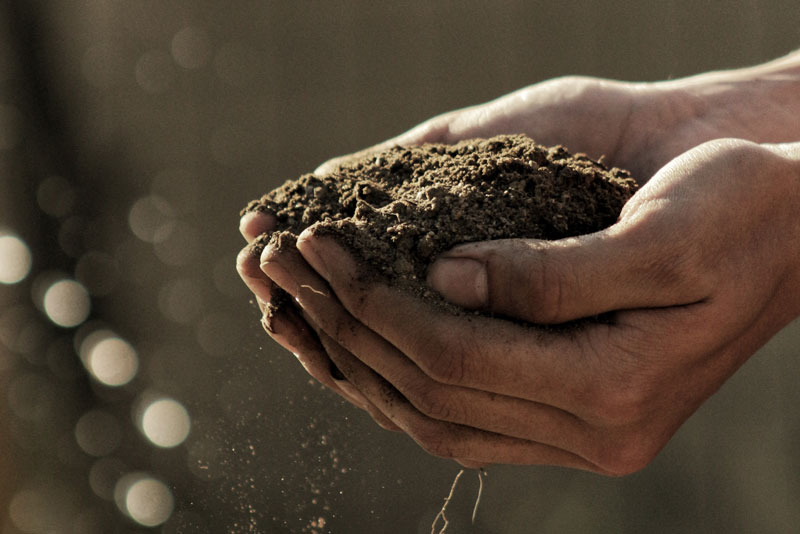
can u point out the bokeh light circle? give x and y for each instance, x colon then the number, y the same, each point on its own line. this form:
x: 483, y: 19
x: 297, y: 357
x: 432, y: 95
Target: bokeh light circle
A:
x: 145, y: 499
x: 165, y: 422
x: 39, y: 510
x: 191, y: 48
x: 110, y: 359
x: 15, y: 259
x: 66, y: 303
x: 151, y: 219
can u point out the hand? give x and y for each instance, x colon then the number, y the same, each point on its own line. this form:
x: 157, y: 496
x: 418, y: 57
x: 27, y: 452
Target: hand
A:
x: 630, y: 125
x: 692, y: 290
x: 553, y: 112
x: 638, y: 126
x: 290, y: 327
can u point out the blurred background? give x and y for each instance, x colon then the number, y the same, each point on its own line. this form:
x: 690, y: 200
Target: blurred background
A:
x: 138, y: 392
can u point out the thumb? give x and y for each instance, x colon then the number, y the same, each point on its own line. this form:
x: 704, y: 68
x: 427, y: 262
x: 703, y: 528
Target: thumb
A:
x: 550, y: 282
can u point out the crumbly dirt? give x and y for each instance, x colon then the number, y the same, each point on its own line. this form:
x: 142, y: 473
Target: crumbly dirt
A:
x: 397, y: 210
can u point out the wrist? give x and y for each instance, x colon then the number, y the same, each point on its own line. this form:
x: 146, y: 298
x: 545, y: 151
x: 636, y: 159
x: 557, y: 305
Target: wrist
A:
x: 759, y: 104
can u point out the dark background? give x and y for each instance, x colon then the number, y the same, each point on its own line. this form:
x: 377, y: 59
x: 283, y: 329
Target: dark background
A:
x: 161, y: 119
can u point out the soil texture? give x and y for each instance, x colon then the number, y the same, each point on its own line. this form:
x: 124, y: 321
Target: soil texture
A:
x: 397, y: 210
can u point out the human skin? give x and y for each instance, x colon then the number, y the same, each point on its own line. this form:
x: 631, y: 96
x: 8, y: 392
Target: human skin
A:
x: 712, y: 239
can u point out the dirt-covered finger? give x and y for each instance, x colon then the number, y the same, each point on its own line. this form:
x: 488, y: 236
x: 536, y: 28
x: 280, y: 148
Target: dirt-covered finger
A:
x: 290, y: 330
x: 549, y: 366
x: 249, y: 269
x: 253, y: 223
x: 280, y: 263
x: 476, y: 408
x: 447, y: 440
x: 343, y: 386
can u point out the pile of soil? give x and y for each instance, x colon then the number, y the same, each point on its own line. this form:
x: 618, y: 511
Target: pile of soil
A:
x: 397, y: 210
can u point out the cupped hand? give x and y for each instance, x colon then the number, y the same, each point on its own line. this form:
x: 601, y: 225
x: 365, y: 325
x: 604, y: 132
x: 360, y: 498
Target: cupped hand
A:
x: 553, y: 112
x: 288, y: 325
x: 636, y: 126
x: 702, y: 268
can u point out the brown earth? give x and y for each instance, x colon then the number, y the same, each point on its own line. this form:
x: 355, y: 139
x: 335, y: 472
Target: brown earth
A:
x: 397, y: 210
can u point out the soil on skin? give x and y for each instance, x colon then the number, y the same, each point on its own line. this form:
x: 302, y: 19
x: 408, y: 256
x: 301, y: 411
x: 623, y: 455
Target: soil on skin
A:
x: 397, y: 210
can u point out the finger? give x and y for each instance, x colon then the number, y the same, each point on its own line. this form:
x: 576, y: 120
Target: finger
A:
x: 341, y: 383
x: 248, y: 267
x: 478, y: 352
x: 497, y: 413
x: 289, y: 329
x: 550, y: 282
x: 380, y: 419
x: 292, y: 332
x: 254, y: 223
x: 447, y: 440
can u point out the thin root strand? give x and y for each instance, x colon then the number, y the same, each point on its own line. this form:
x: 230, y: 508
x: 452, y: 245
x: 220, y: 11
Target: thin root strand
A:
x: 444, y: 507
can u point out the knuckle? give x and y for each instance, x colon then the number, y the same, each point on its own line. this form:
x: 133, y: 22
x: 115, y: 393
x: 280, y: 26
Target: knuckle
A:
x: 548, y: 280
x: 343, y: 329
x: 552, y: 282
x: 433, y: 440
x: 681, y: 268
x: 444, y: 361
x: 627, y: 454
x: 356, y: 298
x: 667, y: 260
x: 622, y: 390
x: 619, y: 402
x: 433, y: 402
x: 724, y: 150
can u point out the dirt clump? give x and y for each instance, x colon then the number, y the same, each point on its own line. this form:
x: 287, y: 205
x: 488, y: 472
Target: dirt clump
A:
x: 397, y: 210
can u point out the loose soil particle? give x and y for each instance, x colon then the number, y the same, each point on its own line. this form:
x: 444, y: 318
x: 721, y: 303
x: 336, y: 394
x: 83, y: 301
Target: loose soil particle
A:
x: 397, y: 210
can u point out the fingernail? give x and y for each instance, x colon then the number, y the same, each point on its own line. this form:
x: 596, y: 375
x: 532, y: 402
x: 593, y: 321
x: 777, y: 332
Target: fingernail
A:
x: 252, y: 276
x: 255, y: 221
x: 462, y: 281
x: 245, y: 224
